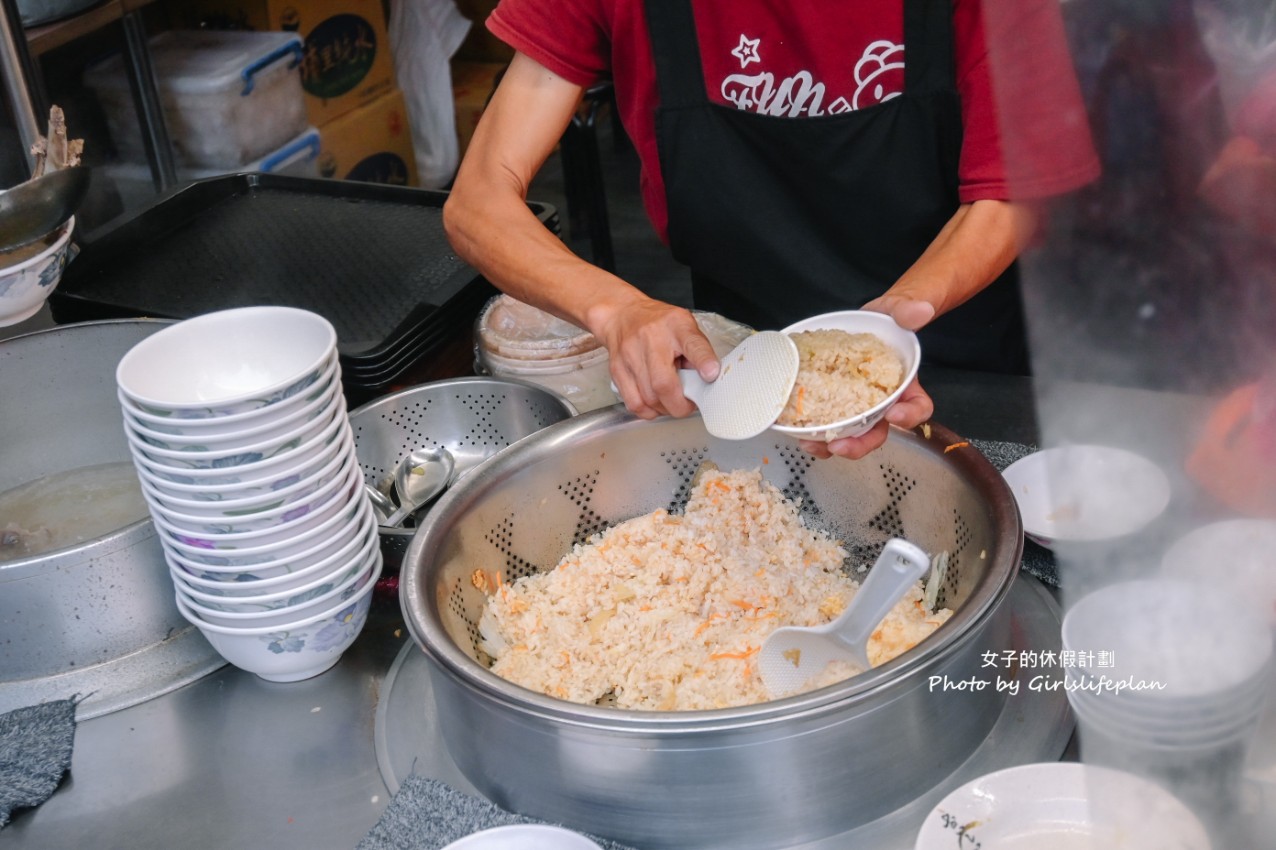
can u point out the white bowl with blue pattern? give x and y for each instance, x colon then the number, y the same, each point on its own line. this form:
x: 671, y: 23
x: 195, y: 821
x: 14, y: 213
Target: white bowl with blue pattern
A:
x: 227, y: 362
x: 246, y: 583
x: 247, y: 467
x: 293, y: 651
x: 291, y: 605
x: 197, y: 502
x: 317, y: 405
x: 236, y: 424
x: 29, y: 275
x: 327, y: 497
x: 344, y: 503
x: 265, y: 487
x: 276, y: 560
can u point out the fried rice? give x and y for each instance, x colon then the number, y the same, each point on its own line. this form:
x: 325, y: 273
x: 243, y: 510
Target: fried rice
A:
x: 840, y: 375
x: 668, y: 611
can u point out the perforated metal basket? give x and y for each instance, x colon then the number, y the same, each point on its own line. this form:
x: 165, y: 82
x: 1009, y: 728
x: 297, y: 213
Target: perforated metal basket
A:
x: 762, y: 776
x: 473, y: 418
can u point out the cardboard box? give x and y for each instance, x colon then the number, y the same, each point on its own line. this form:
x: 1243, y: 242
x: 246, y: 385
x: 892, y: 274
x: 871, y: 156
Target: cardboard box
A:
x: 346, y: 56
x: 472, y: 86
x: 371, y: 143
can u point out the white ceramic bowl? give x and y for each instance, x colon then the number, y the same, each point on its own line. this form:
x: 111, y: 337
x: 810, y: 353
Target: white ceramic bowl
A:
x: 345, y: 501
x: 284, y: 575
x: 232, y: 424
x: 1061, y: 804
x: 524, y: 837
x: 202, y: 457
x: 1240, y: 553
x: 323, y: 498
x: 197, y: 502
x: 1086, y: 493
x: 882, y: 326
x: 348, y: 559
x: 227, y: 362
x: 183, y: 485
x: 25, y: 285
x: 243, y: 466
x: 1203, y: 642
x: 283, y: 548
x: 297, y: 606
x: 293, y: 651
x: 314, y: 406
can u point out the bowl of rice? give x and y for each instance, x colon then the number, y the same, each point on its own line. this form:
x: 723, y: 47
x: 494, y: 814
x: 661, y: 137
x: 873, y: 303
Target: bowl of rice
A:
x: 591, y: 600
x: 853, y: 365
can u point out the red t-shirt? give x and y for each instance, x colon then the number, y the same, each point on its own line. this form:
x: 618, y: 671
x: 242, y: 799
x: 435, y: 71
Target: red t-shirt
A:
x: 1026, y: 137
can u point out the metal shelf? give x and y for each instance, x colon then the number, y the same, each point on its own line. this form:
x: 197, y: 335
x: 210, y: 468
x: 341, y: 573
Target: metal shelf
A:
x: 41, y: 39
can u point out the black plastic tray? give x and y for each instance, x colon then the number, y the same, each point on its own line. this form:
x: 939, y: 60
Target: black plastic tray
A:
x: 372, y: 259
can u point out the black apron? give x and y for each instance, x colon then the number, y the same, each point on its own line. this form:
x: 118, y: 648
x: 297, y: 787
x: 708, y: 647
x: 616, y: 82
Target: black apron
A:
x: 797, y: 217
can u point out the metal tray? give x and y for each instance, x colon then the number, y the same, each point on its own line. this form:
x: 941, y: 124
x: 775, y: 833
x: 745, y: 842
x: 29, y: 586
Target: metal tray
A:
x: 372, y: 259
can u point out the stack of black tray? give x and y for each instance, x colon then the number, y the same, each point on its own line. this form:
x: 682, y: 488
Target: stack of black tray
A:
x: 372, y: 259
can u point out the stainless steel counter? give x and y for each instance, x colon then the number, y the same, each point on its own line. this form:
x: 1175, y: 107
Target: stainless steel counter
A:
x: 232, y: 761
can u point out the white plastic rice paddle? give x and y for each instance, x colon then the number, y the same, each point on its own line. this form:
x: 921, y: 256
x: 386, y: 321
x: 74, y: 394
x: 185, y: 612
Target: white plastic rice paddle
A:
x: 791, y: 655
x: 751, y: 389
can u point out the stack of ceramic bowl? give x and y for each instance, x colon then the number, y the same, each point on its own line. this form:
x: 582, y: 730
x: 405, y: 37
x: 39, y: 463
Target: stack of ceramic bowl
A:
x: 238, y: 429
x: 1182, y: 691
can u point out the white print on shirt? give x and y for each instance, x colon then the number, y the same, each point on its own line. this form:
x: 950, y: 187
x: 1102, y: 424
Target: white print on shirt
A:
x: 879, y: 58
x: 747, y: 50
x: 800, y: 94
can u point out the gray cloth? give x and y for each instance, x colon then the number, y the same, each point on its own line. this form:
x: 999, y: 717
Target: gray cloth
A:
x: 35, y: 753
x: 426, y: 814
x: 1037, y: 560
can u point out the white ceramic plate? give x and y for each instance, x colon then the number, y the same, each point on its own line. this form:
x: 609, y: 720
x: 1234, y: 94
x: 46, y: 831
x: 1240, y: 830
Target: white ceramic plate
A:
x: 524, y: 837
x: 1061, y: 806
x: 1086, y: 493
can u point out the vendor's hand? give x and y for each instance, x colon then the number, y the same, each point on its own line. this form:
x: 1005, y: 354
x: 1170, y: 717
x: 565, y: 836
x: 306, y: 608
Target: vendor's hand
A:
x: 648, y: 341
x: 909, y: 312
x: 913, y: 408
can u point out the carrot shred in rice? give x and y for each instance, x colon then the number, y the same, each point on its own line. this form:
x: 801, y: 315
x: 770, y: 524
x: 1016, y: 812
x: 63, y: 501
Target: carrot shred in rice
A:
x: 960, y: 445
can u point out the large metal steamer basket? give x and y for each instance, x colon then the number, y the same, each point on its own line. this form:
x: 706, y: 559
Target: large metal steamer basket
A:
x: 771, y: 775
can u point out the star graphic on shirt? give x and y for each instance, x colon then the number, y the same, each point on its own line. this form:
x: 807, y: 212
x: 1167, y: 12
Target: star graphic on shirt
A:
x: 747, y: 50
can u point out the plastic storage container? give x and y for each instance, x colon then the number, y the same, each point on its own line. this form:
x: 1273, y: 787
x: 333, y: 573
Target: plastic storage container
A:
x: 229, y: 97
x: 517, y: 340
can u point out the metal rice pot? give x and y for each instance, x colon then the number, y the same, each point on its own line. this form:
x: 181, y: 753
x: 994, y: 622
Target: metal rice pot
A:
x: 67, y: 614
x: 765, y: 776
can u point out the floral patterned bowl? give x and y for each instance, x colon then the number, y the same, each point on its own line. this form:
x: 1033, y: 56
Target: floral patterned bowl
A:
x: 227, y: 362
x: 198, y: 502
x: 265, y: 488
x: 211, y: 457
x: 328, y: 497
x: 294, y: 651
x: 245, y: 582
x: 224, y: 462
x: 291, y: 605
x: 234, y: 424
x: 25, y: 284
x: 344, y: 503
x: 274, y: 560
x: 314, y: 406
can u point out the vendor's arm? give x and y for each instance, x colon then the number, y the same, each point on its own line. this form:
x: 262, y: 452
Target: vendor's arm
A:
x: 976, y: 245
x: 491, y: 227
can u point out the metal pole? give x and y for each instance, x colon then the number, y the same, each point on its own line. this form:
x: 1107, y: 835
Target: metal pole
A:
x: 15, y: 60
x: 150, y: 112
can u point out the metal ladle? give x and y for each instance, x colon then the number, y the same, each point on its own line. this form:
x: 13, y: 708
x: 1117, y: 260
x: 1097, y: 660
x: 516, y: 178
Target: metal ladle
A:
x: 39, y: 206
x: 419, y: 477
